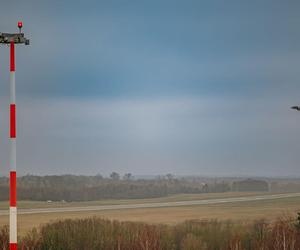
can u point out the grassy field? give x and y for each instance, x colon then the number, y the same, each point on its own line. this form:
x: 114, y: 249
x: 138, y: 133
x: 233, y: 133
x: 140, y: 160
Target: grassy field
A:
x: 241, y: 211
x: 178, y: 197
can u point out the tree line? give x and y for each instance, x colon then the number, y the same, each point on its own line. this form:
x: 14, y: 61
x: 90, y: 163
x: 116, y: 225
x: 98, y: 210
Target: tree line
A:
x: 86, y: 188
x: 96, y: 233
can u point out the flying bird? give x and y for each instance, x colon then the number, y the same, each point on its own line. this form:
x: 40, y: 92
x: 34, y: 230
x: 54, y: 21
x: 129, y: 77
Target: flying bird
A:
x: 296, y: 108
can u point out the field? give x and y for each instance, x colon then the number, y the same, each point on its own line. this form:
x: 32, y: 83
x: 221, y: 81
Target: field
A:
x: 238, y: 211
x: 178, y: 197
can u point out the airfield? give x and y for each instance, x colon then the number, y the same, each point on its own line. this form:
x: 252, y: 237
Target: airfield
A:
x: 240, y: 207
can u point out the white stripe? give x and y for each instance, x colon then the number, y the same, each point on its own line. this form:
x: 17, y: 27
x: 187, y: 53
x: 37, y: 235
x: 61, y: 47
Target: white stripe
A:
x: 13, y: 225
x: 12, y: 87
x: 13, y: 154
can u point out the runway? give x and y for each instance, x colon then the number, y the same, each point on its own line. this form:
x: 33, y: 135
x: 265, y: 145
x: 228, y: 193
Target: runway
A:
x: 153, y: 204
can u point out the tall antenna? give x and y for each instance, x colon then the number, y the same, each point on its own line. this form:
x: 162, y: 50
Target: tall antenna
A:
x: 12, y: 39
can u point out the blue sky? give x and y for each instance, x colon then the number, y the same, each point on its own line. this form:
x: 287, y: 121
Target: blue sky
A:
x: 151, y: 87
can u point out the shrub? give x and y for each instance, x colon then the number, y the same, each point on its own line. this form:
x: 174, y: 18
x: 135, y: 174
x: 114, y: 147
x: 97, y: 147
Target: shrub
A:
x: 97, y: 233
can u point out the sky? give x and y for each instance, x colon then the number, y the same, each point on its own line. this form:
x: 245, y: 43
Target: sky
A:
x: 154, y: 87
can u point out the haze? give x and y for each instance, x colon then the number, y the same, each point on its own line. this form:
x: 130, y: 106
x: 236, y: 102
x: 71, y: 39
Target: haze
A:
x: 154, y: 87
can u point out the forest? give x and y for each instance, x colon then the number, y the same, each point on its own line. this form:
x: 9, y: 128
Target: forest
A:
x: 87, y: 188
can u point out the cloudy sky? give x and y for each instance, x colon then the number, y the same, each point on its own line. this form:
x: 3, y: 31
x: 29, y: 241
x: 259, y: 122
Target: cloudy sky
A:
x: 152, y: 87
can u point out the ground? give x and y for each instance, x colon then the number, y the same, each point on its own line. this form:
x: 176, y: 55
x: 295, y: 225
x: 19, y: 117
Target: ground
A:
x: 238, y: 211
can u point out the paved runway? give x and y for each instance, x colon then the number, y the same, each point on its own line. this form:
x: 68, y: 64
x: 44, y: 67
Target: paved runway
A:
x: 153, y: 205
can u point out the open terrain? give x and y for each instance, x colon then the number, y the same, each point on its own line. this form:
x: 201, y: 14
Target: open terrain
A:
x: 169, y: 210
x: 178, y: 197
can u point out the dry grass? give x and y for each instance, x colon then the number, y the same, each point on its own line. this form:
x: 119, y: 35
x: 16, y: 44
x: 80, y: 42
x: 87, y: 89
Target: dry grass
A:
x: 242, y: 211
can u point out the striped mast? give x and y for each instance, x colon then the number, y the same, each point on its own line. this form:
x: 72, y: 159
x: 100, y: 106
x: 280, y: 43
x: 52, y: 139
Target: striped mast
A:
x: 12, y: 39
x: 13, y: 173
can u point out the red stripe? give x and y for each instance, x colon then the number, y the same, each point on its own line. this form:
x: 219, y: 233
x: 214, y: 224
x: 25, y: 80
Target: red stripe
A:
x: 13, y: 246
x: 13, y: 130
x: 13, y: 189
x: 12, y: 56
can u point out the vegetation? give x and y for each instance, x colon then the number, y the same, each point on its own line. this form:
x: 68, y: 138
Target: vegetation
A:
x: 96, y: 233
x: 87, y: 188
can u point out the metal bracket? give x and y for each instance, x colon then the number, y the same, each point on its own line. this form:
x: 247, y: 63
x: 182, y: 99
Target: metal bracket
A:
x: 17, y: 38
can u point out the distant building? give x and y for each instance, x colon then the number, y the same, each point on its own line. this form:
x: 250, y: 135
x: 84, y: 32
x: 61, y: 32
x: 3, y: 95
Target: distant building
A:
x: 250, y: 185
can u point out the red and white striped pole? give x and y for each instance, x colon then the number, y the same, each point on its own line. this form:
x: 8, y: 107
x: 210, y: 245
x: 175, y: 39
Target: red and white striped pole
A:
x: 13, y: 174
x: 12, y: 39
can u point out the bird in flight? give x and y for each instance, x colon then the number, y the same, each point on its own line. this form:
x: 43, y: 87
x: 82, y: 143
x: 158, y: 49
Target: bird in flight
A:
x: 296, y: 108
